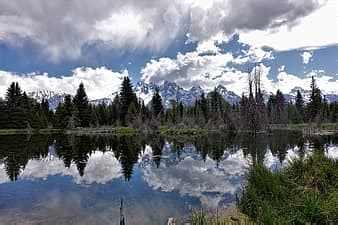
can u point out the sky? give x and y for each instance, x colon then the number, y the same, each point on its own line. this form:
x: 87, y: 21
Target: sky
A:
x: 55, y: 45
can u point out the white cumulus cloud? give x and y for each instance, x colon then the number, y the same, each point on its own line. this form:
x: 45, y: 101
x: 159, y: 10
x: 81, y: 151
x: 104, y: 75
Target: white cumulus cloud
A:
x: 207, y: 71
x: 286, y: 82
x: 99, y: 82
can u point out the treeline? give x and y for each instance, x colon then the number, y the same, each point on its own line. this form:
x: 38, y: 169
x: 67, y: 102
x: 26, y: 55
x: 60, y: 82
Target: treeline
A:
x: 19, y: 111
x: 252, y: 113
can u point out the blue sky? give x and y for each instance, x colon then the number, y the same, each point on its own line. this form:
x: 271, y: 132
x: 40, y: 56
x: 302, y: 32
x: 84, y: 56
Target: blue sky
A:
x: 54, y: 45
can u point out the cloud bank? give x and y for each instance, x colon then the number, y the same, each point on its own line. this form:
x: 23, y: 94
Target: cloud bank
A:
x: 208, y: 71
x: 62, y: 28
x: 313, y: 31
x: 99, y: 82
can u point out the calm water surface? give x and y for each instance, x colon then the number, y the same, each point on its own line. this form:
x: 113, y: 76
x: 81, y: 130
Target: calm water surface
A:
x: 81, y: 179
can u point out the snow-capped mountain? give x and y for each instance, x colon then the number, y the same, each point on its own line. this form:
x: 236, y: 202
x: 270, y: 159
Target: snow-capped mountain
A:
x: 99, y: 101
x: 145, y: 91
x: 293, y: 93
x: 230, y: 96
x: 306, y: 95
x: 52, y: 97
x: 171, y: 91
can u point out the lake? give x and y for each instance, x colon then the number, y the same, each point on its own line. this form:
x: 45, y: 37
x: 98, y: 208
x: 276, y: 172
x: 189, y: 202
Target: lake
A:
x: 58, y: 179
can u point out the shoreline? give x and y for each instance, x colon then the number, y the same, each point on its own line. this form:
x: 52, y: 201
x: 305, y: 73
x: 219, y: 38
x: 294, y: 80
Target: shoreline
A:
x: 306, y: 129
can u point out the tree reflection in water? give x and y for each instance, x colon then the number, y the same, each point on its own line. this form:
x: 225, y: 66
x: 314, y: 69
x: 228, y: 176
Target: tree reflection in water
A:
x: 16, y: 151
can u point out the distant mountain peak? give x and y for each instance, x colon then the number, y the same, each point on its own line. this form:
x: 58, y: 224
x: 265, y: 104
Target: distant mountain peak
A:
x: 53, y: 98
x: 169, y: 91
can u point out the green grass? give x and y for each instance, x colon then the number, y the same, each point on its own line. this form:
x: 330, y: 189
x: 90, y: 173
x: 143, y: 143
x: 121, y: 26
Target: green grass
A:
x: 126, y: 130
x: 12, y: 131
x: 163, y: 130
x: 304, y: 192
x: 49, y: 131
x: 304, y: 126
x: 25, y: 131
x: 200, y: 218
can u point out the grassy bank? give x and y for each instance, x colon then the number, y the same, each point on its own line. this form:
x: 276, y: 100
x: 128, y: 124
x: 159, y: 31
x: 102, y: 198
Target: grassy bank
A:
x: 102, y: 130
x: 200, y: 218
x: 305, y: 127
x: 309, y: 129
x: 304, y: 192
x: 77, y: 131
x: 29, y: 131
x: 164, y: 130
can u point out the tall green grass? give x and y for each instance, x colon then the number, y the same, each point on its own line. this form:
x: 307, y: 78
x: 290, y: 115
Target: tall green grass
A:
x: 304, y: 192
x: 200, y: 218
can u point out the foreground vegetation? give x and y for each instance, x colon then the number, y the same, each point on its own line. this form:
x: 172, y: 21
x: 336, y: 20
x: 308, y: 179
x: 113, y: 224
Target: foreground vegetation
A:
x: 200, y: 218
x: 304, y: 192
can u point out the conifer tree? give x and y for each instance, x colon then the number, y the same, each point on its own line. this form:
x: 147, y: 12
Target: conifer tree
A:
x: 204, y: 107
x: 156, y: 103
x: 280, y: 108
x: 126, y: 98
x: 115, y: 113
x: 299, y: 103
x: 13, y: 96
x: 80, y: 101
x: 17, y: 118
x: 214, y: 102
x: 315, y: 101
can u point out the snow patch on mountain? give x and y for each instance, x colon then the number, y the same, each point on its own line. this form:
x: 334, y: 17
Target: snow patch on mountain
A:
x: 53, y: 98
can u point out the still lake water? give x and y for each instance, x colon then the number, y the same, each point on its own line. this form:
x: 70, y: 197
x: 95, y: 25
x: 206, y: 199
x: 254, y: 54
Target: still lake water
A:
x: 81, y: 179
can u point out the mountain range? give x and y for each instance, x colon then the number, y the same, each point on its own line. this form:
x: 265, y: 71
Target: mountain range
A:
x: 170, y: 91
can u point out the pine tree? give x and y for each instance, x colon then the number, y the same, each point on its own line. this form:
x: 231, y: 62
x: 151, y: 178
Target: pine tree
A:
x: 26, y: 112
x: 93, y: 116
x: 271, y: 109
x: 60, y: 118
x: 80, y: 101
x: 280, y: 108
x: 126, y: 98
x: 299, y: 102
x: 156, y: 103
x: 214, y: 102
x: 115, y: 112
x: 325, y: 109
x: 315, y: 102
x: 13, y: 96
x: 17, y: 117
x: 204, y: 107
x: 45, y: 108
x: 65, y: 114
x: 69, y: 107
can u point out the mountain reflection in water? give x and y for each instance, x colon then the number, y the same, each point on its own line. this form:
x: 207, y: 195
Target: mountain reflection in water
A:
x: 80, y: 179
